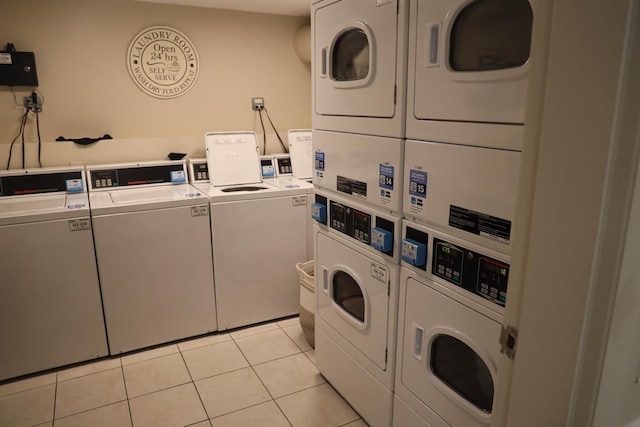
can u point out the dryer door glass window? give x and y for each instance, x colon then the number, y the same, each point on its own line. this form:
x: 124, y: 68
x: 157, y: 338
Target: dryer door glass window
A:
x: 348, y: 295
x: 491, y: 35
x: 350, y: 56
x: 460, y: 368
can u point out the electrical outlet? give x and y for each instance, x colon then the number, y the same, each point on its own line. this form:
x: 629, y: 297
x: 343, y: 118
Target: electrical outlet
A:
x: 33, y: 103
x: 257, y: 103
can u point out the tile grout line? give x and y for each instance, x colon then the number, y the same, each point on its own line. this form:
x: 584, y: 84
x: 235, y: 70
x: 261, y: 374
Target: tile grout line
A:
x: 55, y: 398
x: 273, y: 399
x: 126, y: 392
x: 194, y: 386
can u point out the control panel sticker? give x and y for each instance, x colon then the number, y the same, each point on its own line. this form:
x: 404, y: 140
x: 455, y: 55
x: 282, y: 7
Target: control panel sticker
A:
x: 5, y: 58
x: 386, y: 176
x: 490, y: 227
x: 417, y: 190
x: 76, y: 206
x: 200, y: 210
x: 418, y: 183
x: 379, y: 272
x: 79, y: 224
x: 351, y: 187
x: 299, y: 200
x: 386, y: 181
x: 319, y: 164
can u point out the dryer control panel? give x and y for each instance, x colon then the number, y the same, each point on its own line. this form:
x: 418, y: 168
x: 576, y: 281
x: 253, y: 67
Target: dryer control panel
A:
x: 473, y: 271
x: 359, y: 224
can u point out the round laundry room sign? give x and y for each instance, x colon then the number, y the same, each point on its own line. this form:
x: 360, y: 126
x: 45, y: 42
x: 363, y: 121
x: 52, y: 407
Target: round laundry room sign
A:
x: 163, y: 62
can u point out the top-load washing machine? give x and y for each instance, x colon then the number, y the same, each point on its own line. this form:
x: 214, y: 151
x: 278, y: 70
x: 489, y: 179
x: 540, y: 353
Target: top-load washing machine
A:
x: 258, y: 233
x: 50, y: 305
x: 153, y: 247
x: 359, y: 66
x: 293, y: 170
x: 468, y: 71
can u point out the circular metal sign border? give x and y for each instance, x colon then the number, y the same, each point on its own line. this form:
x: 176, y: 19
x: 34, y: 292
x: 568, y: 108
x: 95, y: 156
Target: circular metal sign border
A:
x: 162, y: 62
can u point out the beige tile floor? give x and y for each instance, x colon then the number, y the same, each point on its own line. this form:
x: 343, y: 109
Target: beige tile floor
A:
x: 262, y: 376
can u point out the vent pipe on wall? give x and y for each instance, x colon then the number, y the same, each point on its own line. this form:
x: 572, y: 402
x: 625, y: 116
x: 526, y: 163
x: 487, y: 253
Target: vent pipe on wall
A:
x: 302, y: 43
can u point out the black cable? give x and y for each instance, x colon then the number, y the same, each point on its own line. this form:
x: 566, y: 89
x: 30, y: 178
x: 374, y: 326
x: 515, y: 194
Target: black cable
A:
x: 20, y: 132
x: 15, y: 100
x: 264, y: 133
x: 39, y: 139
x: 23, y: 165
x: 277, y: 134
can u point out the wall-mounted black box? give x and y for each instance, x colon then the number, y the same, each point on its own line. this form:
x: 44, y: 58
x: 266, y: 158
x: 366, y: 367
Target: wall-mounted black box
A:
x: 18, y: 69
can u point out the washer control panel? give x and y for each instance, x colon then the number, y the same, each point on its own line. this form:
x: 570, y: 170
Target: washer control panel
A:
x: 138, y: 174
x: 473, y: 271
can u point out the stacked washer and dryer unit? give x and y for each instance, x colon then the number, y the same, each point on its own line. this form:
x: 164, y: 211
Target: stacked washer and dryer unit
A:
x: 456, y: 180
x: 467, y: 82
x: 358, y: 140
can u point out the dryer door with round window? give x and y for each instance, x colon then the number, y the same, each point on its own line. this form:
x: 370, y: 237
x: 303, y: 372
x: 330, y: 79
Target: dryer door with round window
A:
x: 355, y: 58
x: 449, y: 356
x: 352, y: 294
x: 469, y: 59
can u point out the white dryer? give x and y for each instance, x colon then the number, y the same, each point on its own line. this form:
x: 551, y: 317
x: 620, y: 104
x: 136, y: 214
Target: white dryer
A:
x: 153, y: 246
x: 466, y: 191
x: 452, y: 294
x: 365, y: 168
x: 258, y: 232
x: 50, y: 305
x: 468, y: 71
x: 359, y: 66
x: 356, y: 270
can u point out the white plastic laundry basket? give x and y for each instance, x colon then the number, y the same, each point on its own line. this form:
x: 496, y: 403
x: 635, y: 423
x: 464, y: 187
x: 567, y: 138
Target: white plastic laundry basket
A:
x: 307, y: 300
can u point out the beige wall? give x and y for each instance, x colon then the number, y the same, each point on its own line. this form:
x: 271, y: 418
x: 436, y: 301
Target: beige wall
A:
x: 80, y: 49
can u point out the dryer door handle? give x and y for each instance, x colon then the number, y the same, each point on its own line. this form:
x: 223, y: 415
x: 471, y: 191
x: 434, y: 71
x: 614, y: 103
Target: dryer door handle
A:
x: 324, y: 60
x: 418, y: 337
x: 325, y: 280
x: 432, y: 40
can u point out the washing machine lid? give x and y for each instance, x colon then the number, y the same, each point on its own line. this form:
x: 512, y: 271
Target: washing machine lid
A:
x: 291, y: 183
x: 129, y: 187
x: 233, y: 158
x: 28, y: 195
x: 23, y: 209
x: 138, y: 199
x: 301, y: 151
x: 229, y: 193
